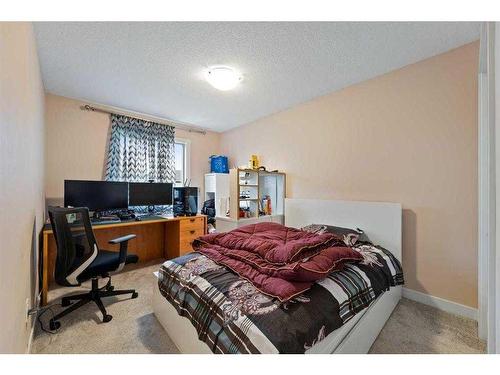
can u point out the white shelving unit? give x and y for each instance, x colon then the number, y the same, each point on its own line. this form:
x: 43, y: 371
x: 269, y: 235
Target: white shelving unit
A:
x: 244, y: 193
x: 217, y: 187
x: 247, y: 189
x: 273, y: 185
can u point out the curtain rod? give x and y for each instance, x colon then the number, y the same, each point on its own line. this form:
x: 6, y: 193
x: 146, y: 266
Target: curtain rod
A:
x: 140, y: 116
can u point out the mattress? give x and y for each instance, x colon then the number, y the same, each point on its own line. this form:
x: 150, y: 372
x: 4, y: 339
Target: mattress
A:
x: 232, y: 316
x: 185, y: 337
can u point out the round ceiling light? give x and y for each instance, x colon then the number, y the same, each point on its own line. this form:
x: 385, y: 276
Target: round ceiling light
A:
x: 223, y: 78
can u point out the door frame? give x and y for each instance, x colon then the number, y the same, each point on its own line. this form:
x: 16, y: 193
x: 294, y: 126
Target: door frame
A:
x: 488, y: 171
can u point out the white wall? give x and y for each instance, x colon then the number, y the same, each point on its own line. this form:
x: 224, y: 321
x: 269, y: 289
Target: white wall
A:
x: 21, y: 179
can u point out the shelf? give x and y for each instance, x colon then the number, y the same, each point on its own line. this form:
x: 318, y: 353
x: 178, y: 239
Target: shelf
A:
x: 269, y: 173
x: 243, y: 219
x: 254, y: 185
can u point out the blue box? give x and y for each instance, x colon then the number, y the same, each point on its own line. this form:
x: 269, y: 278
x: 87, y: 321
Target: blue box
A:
x: 219, y: 164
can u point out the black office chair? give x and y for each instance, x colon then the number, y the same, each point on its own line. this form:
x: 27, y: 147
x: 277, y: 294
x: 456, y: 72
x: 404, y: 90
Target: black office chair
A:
x: 79, y: 259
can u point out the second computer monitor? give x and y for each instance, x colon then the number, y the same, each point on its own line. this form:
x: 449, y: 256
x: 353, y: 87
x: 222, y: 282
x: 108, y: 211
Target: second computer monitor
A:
x: 149, y: 193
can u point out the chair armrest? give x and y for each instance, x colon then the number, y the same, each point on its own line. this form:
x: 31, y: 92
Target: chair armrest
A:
x: 123, y: 241
x: 118, y: 240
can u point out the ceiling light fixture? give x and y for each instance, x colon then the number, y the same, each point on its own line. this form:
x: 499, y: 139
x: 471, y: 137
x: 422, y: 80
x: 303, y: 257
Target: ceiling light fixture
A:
x: 223, y: 78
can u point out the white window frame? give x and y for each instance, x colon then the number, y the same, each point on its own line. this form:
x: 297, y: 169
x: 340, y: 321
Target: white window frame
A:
x: 187, y: 157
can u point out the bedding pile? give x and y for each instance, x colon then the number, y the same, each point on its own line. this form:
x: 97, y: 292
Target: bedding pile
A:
x: 233, y: 315
x: 279, y: 261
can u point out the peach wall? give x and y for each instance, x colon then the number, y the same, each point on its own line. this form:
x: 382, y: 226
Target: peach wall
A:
x: 409, y: 136
x: 21, y: 180
x: 76, y: 145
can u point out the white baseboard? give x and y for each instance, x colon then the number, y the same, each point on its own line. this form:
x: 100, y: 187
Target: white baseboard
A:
x: 32, y: 334
x: 32, y: 321
x: 441, y: 304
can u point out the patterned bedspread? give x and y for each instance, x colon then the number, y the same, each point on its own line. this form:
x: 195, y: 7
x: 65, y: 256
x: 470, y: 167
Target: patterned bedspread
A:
x: 232, y: 316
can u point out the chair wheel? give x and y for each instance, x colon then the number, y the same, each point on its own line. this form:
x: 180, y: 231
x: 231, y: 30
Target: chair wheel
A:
x: 107, y: 318
x: 54, y: 325
x: 110, y: 288
x: 135, y: 295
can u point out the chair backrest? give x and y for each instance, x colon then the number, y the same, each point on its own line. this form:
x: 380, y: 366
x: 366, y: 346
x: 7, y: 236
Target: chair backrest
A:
x: 76, y: 244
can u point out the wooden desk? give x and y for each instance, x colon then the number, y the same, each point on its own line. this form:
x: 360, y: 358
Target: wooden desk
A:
x: 157, y: 238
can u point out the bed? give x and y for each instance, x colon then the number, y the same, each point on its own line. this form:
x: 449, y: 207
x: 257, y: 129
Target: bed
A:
x: 382, y: 224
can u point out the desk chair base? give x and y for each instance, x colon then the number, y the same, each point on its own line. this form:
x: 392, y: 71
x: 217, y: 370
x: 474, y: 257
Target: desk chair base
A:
x: 94, y: 295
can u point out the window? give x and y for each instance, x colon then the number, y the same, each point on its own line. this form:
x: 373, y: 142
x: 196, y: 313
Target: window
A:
x: 181, y: 161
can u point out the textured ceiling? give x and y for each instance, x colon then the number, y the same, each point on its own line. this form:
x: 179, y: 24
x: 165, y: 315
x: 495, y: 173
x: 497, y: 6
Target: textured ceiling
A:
x: 156, y: 68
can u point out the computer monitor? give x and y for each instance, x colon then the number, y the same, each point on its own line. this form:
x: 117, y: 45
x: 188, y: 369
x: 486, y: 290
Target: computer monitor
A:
x: 149, y: 193
x: 96, y: 195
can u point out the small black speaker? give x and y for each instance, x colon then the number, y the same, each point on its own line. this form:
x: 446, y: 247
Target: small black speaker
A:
x: 185, y: 201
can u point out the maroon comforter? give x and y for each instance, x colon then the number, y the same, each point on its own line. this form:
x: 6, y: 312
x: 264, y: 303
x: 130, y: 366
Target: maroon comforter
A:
x: 279, y: 261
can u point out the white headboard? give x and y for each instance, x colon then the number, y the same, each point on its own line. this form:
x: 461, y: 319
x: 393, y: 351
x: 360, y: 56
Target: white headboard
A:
x: 381, y: 221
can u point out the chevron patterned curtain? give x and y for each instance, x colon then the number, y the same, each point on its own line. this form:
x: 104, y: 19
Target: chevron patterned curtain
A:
x: 140, y: 151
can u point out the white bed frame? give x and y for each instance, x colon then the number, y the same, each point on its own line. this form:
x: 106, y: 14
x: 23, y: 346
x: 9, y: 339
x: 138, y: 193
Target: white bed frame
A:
x: 382, y: 224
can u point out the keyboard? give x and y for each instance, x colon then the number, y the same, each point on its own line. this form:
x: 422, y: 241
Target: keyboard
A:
x: 125, y: 217
x: 106, y: 221
x: 166, y: 216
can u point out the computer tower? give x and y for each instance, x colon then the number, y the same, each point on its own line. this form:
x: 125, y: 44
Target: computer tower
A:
x: 185, y: 201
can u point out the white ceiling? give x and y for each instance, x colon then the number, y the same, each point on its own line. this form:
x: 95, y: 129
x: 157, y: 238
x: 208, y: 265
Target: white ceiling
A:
x: 156, y: 68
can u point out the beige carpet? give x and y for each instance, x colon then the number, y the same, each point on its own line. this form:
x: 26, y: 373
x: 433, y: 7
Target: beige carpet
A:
x: 134, y: 328
x: 412, y: 328
x: 417, y: 328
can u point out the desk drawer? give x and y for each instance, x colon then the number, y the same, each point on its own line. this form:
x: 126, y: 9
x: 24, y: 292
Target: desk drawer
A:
x: 190, y: 235
x: 193, y: 223
x: 195, y: 232
x: 186, y: 247
x: 186, y: 243
x: 186, y: 238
